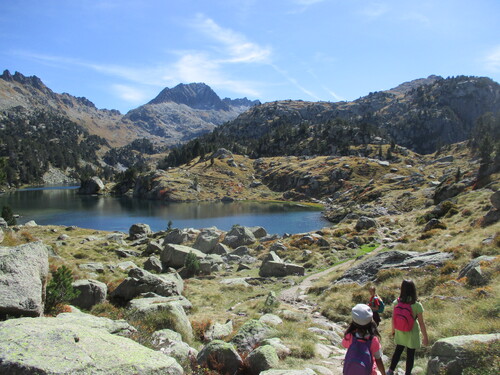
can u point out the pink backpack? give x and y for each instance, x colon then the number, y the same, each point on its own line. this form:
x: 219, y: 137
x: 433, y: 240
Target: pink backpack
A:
x: 402, y: 317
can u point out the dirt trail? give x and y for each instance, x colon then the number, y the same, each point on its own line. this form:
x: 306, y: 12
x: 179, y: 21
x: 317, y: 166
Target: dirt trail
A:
x: 331, y: 354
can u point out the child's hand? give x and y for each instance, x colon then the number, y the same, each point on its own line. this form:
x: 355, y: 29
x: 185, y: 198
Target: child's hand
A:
x: 425, y: 341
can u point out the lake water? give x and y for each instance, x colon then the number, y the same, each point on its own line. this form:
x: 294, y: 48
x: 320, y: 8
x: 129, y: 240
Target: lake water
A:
x: 62, y: 206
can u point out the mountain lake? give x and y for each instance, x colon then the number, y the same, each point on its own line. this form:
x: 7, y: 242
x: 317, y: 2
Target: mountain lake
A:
x: 63, y: 206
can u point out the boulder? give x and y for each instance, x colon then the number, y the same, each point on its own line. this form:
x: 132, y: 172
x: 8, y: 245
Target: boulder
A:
x: 123, y: 253
x: 221, y: 356
x: 118, y: 327
x: 271, y: 320
x: 31, y: 224
x: 240, y: 251
x: 141, y: 281
x: 125, y: 266
x: 262, y: 358
x: 91, y: 293
x: 218, y: 331
x: 433, y: 224
x: 170, y: 343
x: 92, y: 267
x: 495, y: 200
x: 221, y: 249
x: 175, y: 255
x: 139, y: 230
x: 450, y: 356
x: 150, y: 304
x: 491, y: 217
x: 271, y: 257
x: 448, y: 190
x: 3, y: 223
x: 177, y: 316
x: 23, y: 276
x: 207, y: 240
x: 258, y: 232
x: 239, y: 236
x: 93, y: 185
x: 251, y: 334
x: 281, y: 349
x: 1, y: 235
x: 473, y: 272
x: 280, y: 269
x: 154, y: 247
x: 277, y: 247
x: 367, y: 270
x: 56, y: 346
x: 365, y: 223
x: 176, y: 237
x: 153, y: 264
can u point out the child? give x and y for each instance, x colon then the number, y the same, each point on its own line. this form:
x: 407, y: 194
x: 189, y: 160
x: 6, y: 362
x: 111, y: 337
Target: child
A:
x: 363, y: 329
x: 408, y: 339
x: 374, y: 303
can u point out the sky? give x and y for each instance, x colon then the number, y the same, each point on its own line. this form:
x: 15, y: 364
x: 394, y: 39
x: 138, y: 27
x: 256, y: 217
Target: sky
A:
x: 121, y: 53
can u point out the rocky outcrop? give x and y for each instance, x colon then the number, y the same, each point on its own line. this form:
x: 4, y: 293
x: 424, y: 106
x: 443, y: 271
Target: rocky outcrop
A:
x: 239, y: 236
x: 367, y: 270
x: 23, y: 275
x: 273, y: 266
x: 207, y: 240
x: 262, y: 358
x: 450, y: 356
x: 251, y: 334
x: 473, y: 272
x: 221, y: 356
x: 91, y: 186
x: 218, y: 331
x: 139, y: 230
x: 170, y: 343
x: 91, y: 292
x: 175, y: 255
x: 140, y: 281
x: 56, y: 346
x: 178, y: 319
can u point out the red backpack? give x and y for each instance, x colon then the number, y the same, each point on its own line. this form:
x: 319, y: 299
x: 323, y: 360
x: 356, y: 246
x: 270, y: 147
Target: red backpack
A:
x: 402, y: 317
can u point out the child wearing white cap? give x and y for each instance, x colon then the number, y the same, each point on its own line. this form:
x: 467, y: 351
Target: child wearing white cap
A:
x: 362, y: 340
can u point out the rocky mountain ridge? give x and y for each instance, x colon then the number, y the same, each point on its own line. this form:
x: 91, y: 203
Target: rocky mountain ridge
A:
x: 174, y: 116
x: 421, y: 115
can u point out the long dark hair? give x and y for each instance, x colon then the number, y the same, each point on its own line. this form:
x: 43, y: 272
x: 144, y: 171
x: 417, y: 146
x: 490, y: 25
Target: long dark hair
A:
x: 408, y: 292
x: 369, y: 329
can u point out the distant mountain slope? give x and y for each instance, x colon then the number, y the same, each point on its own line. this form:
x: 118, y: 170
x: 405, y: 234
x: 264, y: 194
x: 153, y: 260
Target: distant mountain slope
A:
x: 31, y: 94
x: 186, y: 111
x: 174, y: 116
x: 420, y: 115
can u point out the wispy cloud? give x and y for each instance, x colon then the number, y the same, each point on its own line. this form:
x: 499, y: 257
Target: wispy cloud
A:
x: 237, y: 48
x: 211, y: 65
x: 130, y: 94
x: 375, y: 10
x: 492, y: 60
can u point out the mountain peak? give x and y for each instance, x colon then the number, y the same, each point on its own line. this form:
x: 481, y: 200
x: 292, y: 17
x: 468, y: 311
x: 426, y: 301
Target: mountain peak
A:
x: 21, y: 78
x: 194, y: 95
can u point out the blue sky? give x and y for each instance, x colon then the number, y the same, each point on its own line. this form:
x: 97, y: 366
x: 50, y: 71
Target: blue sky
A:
x: 121, y: 53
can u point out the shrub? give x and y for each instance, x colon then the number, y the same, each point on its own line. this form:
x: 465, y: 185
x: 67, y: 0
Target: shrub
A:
x: 449, y: 267
x: 200, y: 328
x: 59, y: 289
x: 192, y: 265
x: 390, y: 273
x: 8, y: 215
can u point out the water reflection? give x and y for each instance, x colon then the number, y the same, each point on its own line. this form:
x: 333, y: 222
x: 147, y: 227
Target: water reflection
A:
x: 65, y: 207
